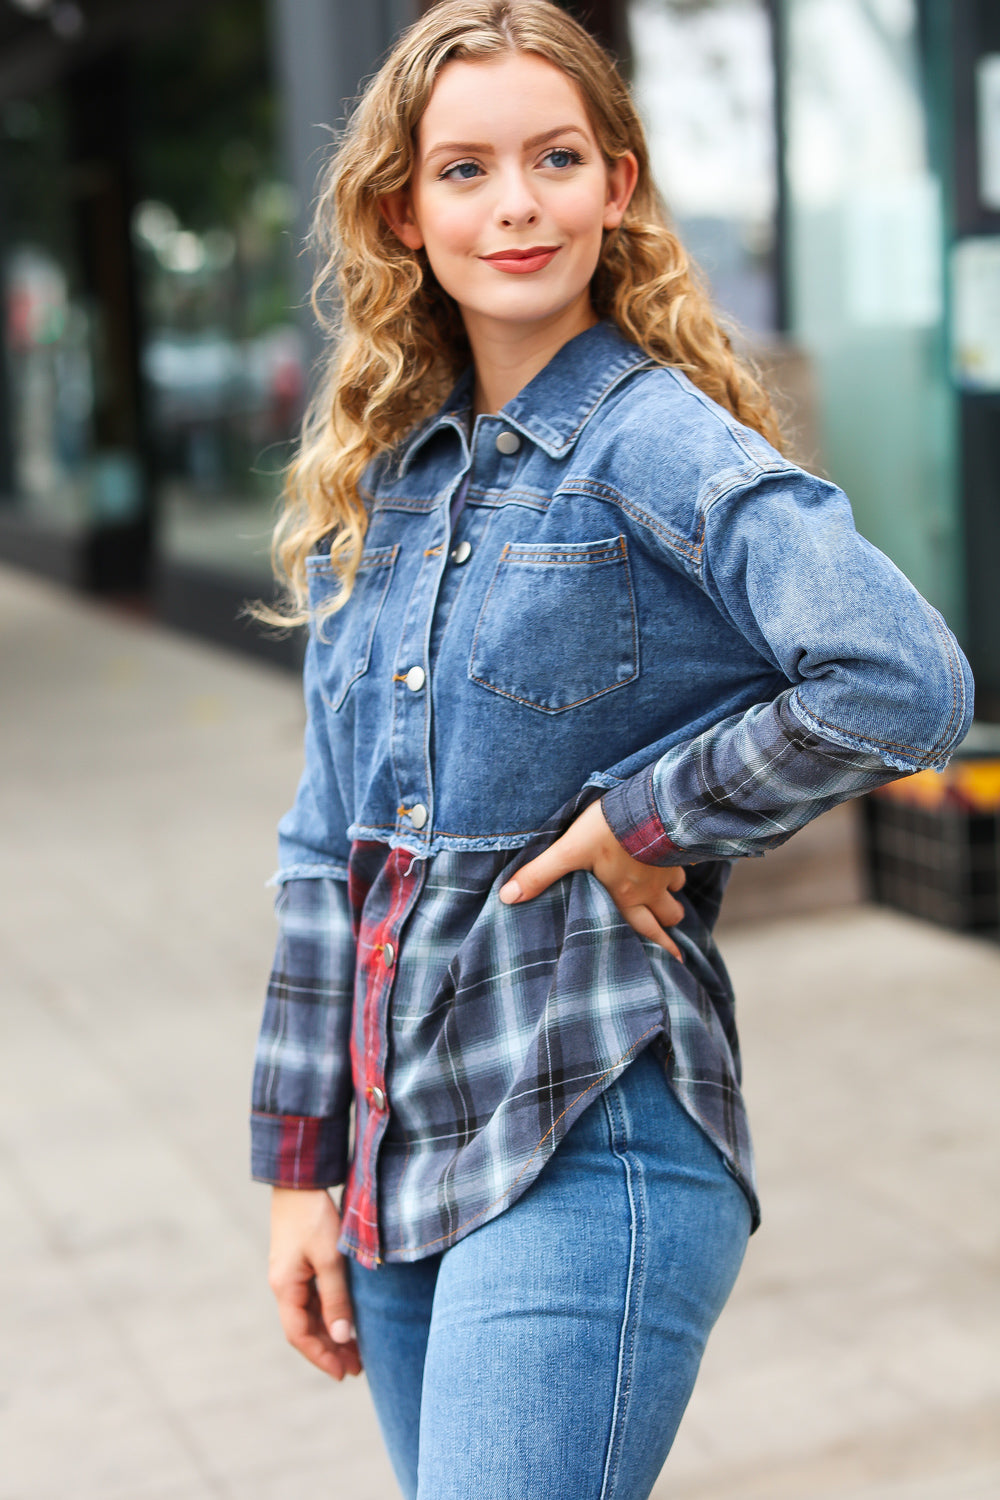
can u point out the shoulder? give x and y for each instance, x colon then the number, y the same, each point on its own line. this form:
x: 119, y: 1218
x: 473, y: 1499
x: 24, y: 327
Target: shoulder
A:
x: 668, y: 453
x: 658, y: 422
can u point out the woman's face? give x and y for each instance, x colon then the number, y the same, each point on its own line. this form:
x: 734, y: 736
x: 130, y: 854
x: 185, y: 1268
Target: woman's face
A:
x: 510, y: 194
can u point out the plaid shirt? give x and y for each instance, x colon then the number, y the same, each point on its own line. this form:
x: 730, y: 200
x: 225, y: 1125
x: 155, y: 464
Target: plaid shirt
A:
x: 471, y: 1034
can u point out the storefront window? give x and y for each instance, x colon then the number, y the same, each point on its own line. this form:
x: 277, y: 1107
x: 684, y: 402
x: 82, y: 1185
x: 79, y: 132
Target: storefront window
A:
x: 50, y: 334
x: 866, y: 277
x: 704, y: 83
x: 222, y: 356
x: 152, y: 359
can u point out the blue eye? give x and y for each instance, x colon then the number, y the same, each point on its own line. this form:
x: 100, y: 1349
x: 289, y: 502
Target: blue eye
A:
x: 562, y: 157
x: 466, y: 171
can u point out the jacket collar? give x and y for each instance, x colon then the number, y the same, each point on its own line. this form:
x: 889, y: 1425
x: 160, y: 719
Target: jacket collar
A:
x: 553, y: 409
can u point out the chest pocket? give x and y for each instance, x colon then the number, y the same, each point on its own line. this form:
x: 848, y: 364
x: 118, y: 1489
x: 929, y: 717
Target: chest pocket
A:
x: 345, y: 639
x: 558, y: 626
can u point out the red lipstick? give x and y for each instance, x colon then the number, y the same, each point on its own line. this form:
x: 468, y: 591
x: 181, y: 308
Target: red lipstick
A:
x: 519, y: 262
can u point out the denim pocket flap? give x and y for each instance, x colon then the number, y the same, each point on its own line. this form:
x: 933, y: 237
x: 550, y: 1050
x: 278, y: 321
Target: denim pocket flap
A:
x: 558, y: 624
x: 344, y: 640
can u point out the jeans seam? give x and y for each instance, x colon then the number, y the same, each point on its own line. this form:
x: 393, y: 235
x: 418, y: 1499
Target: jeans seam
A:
x: 636, y: 1265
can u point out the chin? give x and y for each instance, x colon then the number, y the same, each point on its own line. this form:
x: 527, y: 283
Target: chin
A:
x: 528, y: 304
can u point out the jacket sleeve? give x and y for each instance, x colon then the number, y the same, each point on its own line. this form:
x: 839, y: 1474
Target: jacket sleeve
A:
x: 302, y: 1090
x: 312, y: 836
x: 878, y: 687
x: 302, y: 1074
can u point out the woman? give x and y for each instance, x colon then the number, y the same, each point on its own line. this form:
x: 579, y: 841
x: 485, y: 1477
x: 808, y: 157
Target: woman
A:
x: 579, y: 636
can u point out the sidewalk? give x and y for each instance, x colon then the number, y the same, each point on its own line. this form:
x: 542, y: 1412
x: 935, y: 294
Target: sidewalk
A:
x: 140, y: 1358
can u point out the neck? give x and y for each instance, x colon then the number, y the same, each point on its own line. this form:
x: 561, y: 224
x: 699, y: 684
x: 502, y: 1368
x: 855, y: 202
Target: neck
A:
x: 507, y: 356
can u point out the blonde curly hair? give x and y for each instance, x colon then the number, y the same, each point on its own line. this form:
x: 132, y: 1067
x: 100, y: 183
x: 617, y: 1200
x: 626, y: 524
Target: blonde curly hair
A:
x: 397, y: 342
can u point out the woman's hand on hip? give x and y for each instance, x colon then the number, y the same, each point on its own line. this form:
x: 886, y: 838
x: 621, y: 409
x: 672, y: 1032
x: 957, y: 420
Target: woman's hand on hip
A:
x: 642, y: 893
x: 307, y: 1277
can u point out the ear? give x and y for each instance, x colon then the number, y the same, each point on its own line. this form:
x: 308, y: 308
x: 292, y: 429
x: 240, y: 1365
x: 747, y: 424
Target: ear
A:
x: 622, y: 178
x: 397, y: 211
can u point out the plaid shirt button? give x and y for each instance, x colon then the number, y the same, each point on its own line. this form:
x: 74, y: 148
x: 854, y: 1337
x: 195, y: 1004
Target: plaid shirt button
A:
x: 388, y: 955
x: 377, y: 1096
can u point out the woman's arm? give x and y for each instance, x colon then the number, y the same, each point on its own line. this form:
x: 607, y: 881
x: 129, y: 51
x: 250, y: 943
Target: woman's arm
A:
x: 302, y: 1076
x: 302, y: 1087
x: 878, y: 689
x: 301, y: 1117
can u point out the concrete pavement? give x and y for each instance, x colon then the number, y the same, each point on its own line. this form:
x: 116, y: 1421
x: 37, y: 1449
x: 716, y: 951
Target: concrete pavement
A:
x: 139, y: 1354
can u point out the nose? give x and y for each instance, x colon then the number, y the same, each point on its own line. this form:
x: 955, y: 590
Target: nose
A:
x: 517, y: 206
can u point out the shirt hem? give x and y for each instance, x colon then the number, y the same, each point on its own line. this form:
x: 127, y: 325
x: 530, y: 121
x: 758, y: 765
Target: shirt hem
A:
x: 533, y: 1166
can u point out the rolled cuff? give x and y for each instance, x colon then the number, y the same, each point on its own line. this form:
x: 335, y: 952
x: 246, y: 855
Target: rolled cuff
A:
x: 633, y: 818
x: 298, y: 1151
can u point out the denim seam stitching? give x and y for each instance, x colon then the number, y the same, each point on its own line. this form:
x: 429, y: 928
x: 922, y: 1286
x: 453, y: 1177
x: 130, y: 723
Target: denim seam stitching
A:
x: 535, y: 556
x: 401, y: 502
x: 946, y: 733
x: 916, y: 750
x: 540, y: 707
x: 626, y: 1343
x: 691, y: 549
x: 494, y: 497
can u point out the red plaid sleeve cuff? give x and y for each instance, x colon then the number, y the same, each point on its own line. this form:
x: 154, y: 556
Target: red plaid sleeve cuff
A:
x: 298, y: 1151
x: 633, y: 818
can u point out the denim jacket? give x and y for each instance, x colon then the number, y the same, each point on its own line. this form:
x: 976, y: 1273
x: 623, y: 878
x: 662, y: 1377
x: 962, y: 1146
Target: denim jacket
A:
x: 639, y: 595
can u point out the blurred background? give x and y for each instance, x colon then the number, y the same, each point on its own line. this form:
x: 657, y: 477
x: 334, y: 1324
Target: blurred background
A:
x: 835, y: 167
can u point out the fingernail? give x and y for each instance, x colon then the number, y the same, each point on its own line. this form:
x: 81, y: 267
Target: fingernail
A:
x: 342, y: 1331
x: 510, y: 892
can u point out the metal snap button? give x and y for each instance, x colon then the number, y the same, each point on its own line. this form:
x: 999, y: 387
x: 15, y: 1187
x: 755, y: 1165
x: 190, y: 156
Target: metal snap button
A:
x: 462, y: 552
x: 418, y: 815
x: 388, y: 955
x: 508, y: 442
x: 415, y: 679
x: 378, y: 1097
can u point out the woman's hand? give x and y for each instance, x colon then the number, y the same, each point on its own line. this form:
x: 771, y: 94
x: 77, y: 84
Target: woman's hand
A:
x: 642, y: 893
x: 307, y: 1278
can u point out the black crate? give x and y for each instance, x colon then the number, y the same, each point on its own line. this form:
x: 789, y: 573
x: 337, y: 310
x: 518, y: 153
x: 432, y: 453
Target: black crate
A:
x: 939, y: 863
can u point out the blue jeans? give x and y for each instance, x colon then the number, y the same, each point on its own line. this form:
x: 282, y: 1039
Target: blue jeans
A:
x: 550, y: 1354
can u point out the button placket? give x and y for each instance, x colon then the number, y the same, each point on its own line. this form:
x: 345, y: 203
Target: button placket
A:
x: 371, y: 1027
x: 492, y: 455
x: 410, y: 734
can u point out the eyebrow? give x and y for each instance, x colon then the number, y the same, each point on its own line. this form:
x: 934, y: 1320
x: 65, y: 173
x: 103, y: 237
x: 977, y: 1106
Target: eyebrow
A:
x: 484, y: 147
